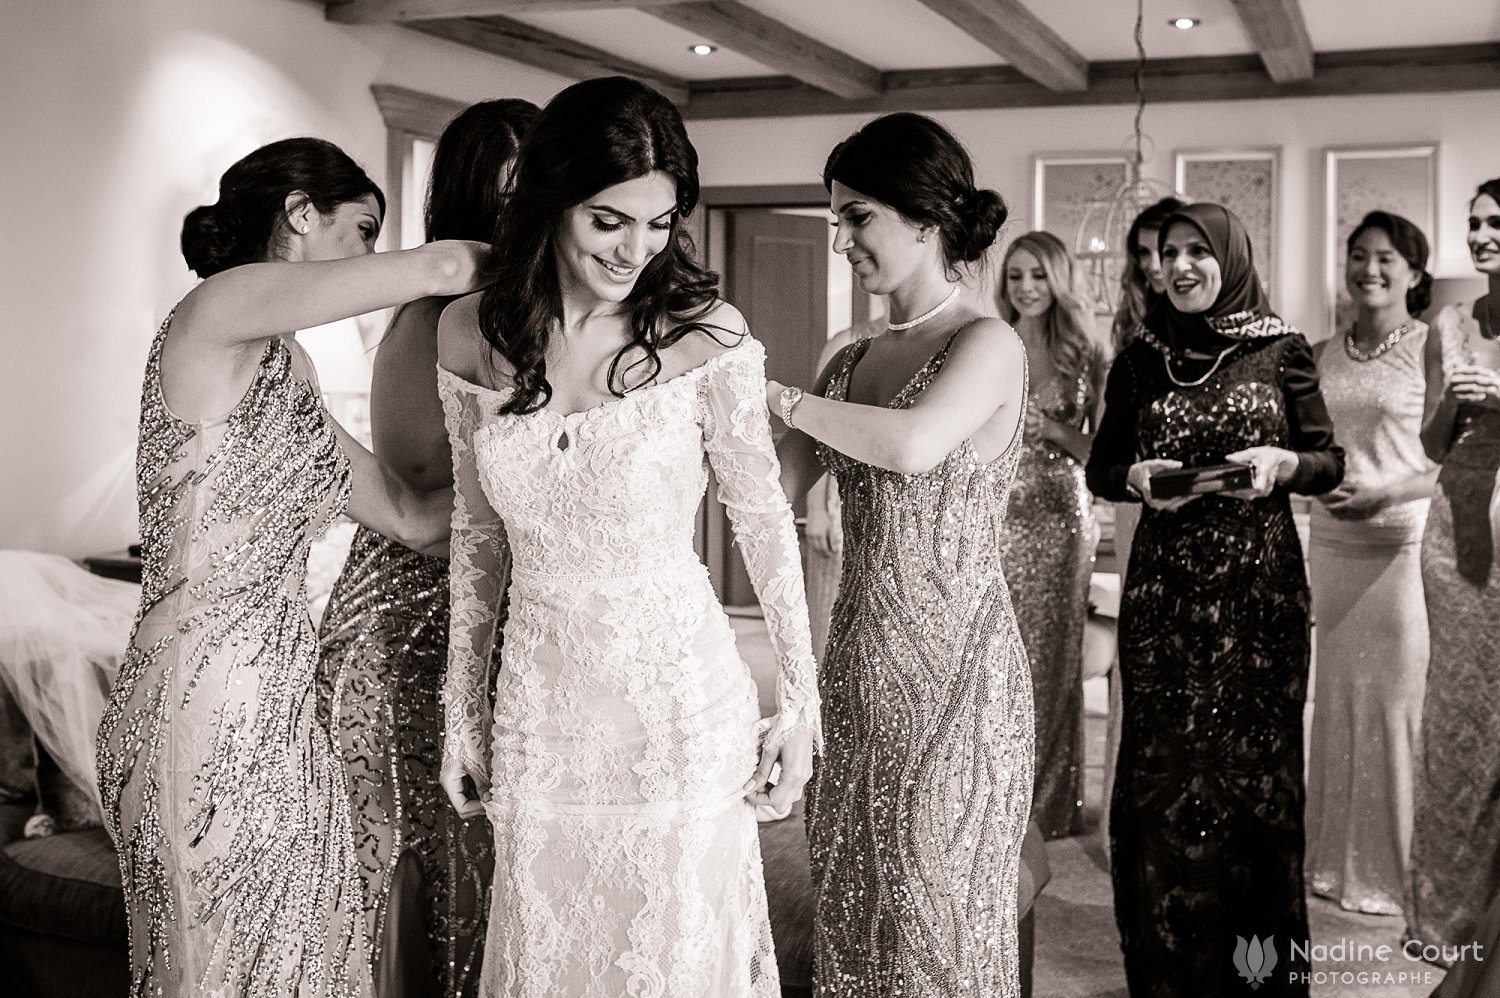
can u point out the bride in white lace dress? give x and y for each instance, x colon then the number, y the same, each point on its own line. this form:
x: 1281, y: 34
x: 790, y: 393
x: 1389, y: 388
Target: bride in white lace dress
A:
x: 587, y: 394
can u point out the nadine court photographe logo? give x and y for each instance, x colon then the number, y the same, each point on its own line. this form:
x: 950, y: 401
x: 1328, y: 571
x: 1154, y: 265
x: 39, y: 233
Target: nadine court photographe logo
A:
x: 1346, y: 961
x: 1255, y: 959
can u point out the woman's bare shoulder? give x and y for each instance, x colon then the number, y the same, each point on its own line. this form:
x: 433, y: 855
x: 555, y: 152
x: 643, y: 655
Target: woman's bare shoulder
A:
x: 461, y: 346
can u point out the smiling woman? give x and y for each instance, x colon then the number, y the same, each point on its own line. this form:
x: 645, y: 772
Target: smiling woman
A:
x: 586, y: 394
x: 1206, y: 815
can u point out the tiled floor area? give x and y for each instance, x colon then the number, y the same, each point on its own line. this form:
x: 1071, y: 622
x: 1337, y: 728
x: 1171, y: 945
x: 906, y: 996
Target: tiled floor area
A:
x: 1077, y: 948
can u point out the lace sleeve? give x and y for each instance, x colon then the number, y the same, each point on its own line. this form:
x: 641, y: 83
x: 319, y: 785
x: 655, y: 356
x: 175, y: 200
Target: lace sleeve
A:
x: 479, y: 565
x: 737, y: 436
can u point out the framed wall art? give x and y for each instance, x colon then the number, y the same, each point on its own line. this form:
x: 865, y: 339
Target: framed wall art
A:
x: 1247, y: 182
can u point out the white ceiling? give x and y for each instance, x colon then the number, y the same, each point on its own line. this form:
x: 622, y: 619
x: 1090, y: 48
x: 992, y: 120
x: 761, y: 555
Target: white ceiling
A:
x: 904, y: 34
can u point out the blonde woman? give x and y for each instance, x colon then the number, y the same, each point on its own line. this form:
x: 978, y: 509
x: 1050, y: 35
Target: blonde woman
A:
x: 1050, y: 529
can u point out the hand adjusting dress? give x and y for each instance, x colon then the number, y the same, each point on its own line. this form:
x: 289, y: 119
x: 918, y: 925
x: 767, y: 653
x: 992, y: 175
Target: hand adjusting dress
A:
x: 625, y: 723
x: 224, y: 797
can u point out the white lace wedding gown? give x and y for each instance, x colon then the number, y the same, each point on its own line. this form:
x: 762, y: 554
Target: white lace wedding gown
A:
x: 626, y: 723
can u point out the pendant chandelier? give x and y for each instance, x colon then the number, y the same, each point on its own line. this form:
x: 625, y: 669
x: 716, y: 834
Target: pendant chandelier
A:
x: 1099, y: 244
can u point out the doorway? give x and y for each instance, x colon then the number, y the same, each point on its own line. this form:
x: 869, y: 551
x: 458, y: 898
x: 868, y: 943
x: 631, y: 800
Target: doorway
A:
x: 772, y: 247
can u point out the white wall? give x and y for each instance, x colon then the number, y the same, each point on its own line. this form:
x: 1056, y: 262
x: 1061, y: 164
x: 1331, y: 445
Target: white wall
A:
x: 1004, y: 142
x: 118, y: 117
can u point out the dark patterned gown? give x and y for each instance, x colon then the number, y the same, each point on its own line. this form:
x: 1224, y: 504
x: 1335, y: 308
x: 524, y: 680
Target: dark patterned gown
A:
x: 1206, y: 819
x: 384, y: 642
x: 1049, y: 560
x: 224, y: 797
x: 920, y: 800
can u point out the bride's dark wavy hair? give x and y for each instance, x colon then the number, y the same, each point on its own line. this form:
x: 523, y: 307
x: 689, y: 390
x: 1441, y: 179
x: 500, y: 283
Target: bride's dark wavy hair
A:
x: 591, y: 136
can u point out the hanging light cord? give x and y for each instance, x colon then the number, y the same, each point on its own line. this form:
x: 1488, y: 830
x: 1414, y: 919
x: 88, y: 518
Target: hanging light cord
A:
x: 1140, y: 88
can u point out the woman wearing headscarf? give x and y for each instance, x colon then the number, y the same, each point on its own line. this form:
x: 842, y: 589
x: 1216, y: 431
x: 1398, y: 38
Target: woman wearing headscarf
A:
x: 1206, y: 818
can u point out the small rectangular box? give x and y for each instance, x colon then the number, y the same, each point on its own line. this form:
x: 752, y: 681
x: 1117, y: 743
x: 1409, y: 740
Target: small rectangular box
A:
x: 1200, y: 481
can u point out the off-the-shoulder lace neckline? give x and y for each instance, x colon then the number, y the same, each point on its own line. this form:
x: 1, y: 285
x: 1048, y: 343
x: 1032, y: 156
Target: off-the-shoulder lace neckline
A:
x: 690, y: 374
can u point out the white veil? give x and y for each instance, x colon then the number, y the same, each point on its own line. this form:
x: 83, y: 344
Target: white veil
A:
x: 63, y: 632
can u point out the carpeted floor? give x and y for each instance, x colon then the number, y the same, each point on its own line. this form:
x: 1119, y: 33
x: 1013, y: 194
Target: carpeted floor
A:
x: 1077, y: 946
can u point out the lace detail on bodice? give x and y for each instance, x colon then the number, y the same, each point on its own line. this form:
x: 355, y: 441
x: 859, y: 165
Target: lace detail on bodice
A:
x: 612, y: 492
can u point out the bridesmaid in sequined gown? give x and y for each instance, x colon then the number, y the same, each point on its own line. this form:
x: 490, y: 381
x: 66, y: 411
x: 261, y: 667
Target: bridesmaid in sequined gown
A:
x: 1050, y: 530
x: 1206, y: 819
x: 384, y: 635
x: 1367, y: 578
x: 224, y: 797
x: 1455, y: 853
x: 920, y: 801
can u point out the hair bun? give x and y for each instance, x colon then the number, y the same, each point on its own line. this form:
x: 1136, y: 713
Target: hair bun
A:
x: 210, y: 239
x: 1419, y: 295
x: 981, y: 213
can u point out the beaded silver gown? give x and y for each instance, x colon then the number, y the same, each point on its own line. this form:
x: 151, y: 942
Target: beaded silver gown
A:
x: 384, y: 640
x: 224, y: 797
x: 920, y: 799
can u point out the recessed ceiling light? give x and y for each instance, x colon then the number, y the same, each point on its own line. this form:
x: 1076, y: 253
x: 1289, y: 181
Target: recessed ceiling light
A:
x: 1184, y: 23
x: 702, y: 49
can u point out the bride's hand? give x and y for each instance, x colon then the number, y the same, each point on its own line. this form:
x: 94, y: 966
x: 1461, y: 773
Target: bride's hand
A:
x: 773, y: 396
x: 464, y: 782
x: 795, y: 756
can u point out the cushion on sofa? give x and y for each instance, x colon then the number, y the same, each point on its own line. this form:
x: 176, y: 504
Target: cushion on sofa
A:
x: 65, y: 885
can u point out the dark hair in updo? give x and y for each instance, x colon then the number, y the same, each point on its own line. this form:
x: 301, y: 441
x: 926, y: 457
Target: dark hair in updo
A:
x: 1490, y: 188
x: 592, y: 136
x: 468, y: 166
x: 916, y: 166
x: 1410, y: 243
x: 248, y: 221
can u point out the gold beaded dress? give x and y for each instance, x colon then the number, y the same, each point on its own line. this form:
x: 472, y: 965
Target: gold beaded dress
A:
x: 919, y: 804
x: 1455, y: 849
x: 384, y: 643
x: 1049, y: 560
x: 224, y: 797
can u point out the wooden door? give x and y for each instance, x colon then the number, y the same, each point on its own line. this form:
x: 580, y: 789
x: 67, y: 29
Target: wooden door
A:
x: 776, y: 273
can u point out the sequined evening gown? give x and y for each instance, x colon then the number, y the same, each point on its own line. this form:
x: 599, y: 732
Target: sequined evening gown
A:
x: 384, y: 640
x: 1206, y: 821
x: 1372, y: 635
x: 1048, y: 545
x: 1455, y: 855
x: 627, y: 860
x: 919, y: 805
x: 224, y: 797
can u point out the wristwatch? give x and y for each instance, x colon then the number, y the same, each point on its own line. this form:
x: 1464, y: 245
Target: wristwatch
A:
x: 789, y: 399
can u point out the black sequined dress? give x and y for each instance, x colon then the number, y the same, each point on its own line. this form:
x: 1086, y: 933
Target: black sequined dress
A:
x: 1206, y: 820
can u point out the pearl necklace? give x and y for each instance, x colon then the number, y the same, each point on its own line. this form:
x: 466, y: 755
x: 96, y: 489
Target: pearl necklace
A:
x: 1391, y: 339
x: 896, y: 326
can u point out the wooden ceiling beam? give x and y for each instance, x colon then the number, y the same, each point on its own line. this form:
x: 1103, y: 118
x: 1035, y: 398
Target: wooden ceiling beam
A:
x: 768, y: 41
x: 1013, y: 32
x: 522, y: 43
x: 1435, y: 69
x: 406, y: 11
x: 1279, y: 32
